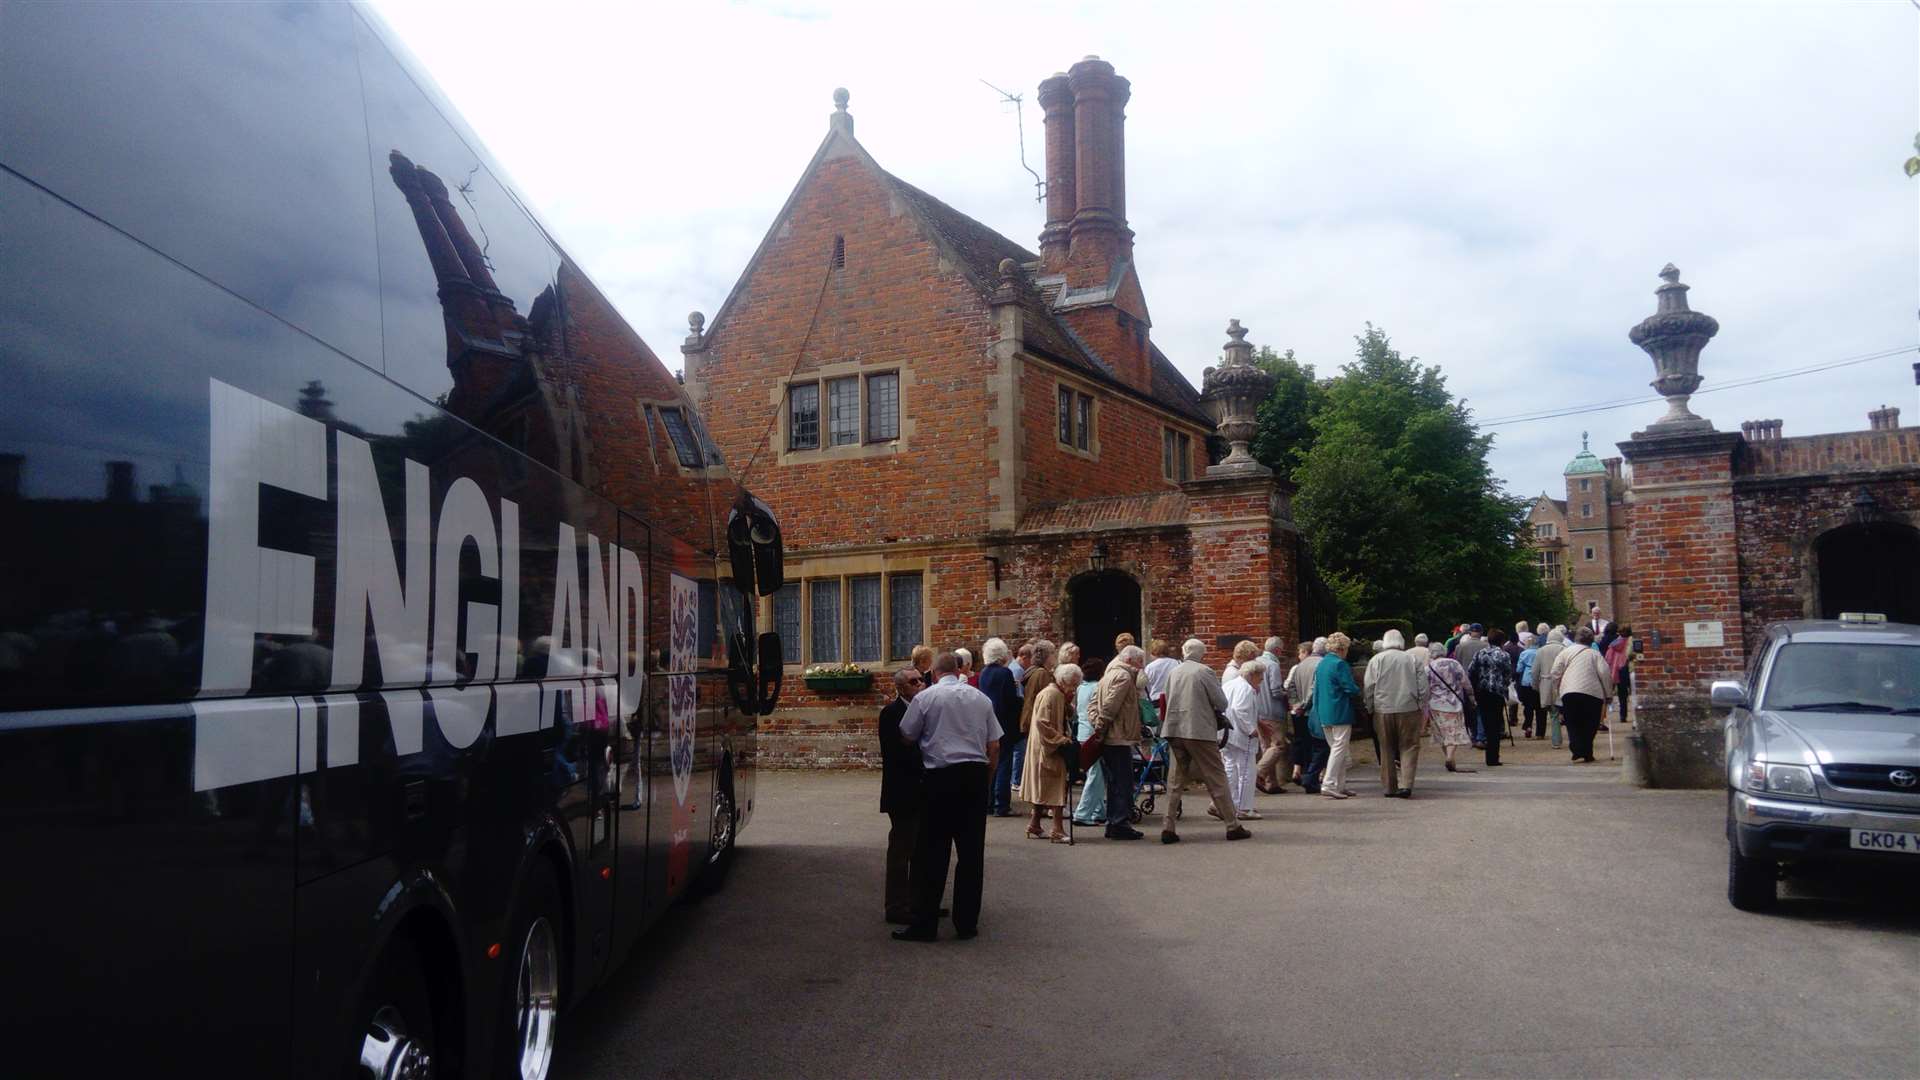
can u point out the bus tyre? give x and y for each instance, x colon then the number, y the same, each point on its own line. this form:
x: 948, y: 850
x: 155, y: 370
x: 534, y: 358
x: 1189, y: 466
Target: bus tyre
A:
x: 530, y: 997
x: 1752, y: 884
x: 720, y: 837
x: 395, y: 1019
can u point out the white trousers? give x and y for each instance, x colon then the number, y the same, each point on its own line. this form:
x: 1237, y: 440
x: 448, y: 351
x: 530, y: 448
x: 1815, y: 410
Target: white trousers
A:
x: 1240, y: 764
x: 1338, y: 737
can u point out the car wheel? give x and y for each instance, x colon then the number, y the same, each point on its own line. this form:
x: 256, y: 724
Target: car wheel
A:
x: 529, y: 1015
x: 1752, y: 884
x: 395, y: 1020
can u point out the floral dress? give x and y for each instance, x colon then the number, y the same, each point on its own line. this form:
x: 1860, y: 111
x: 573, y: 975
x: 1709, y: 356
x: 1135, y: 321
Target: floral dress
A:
x: 1446, y: 689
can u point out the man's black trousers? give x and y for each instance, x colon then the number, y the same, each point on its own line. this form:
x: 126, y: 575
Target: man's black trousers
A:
x: 953, y: 822
x: 1493, y: 721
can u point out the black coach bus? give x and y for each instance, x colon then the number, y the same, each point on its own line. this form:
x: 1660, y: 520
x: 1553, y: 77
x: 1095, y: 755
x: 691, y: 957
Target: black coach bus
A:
x: 377, y: 621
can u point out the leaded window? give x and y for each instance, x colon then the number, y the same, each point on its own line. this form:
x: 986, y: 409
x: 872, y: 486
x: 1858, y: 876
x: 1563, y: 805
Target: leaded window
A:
x: 904, y: 628
x: 883, y: 407
x: 685, y: 446
x: 1066, y: 416
x: 803, y: 422
x: 823, y: 598
x: 786, y: 621
x: 863, y: 610
x: 1083, y: 437
x: 843, y: 411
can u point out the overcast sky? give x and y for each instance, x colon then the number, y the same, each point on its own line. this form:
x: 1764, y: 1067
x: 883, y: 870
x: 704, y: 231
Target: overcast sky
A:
x: 1494, y: 185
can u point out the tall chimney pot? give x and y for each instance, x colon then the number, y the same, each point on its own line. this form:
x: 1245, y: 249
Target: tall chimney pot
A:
x: 1056, y: 101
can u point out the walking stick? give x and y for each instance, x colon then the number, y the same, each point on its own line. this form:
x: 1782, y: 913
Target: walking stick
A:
x: 1609, y: 740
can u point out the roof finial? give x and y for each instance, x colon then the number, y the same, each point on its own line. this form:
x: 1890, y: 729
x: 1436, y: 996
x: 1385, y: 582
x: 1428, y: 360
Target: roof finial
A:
x: 1583, y: 443
x: 841, y: 120
x: 1670, y: 274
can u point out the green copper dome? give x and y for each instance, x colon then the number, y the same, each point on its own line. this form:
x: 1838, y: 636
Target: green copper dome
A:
x: 1584, y: 461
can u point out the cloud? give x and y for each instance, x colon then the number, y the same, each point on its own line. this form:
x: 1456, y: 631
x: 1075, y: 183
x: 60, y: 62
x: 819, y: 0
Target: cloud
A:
x: 1495, y: 185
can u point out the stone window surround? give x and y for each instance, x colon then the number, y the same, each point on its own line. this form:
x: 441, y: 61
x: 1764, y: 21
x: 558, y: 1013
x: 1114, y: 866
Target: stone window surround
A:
x: 1092, y: 452
x: 843, y: 568
x: 1589, y: 553
x: 689, y: 415
x: 863, y: 448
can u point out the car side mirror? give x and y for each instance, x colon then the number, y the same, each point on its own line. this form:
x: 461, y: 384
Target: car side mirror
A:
x: 772, y: 671
x: 1728, y: 694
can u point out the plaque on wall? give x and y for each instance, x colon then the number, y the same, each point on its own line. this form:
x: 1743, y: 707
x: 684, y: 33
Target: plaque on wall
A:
x: 1705, y: 635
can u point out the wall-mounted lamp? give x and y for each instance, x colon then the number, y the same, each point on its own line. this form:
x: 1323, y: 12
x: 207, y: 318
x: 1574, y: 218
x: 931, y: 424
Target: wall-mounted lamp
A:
x: 1099, y: 557
x: 995, y: 560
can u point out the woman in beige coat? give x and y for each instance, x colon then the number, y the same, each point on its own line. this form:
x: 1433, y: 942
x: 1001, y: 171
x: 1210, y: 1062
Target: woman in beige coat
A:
x: 1043, y: 779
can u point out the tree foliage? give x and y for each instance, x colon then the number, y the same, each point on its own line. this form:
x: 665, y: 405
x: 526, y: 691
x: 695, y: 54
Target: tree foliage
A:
x: 1396, y: 498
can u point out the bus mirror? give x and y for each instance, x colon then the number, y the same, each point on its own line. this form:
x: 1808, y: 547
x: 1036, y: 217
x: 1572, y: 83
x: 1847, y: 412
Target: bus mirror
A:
x: 772, y: 671
x: 753, y: 546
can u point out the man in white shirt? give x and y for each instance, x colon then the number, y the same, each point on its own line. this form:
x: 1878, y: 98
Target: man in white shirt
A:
x: 959, y: 739
x: 1244, y: 717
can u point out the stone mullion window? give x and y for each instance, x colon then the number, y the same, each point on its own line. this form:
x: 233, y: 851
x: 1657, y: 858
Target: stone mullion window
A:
x: 823, y: 610
x: 905, y: 614
x: 803, y: 417
x: 883, y: 407
x: 1066, y: 415
x: 864, y: 619
x: 843, y: 412
x: 787, y: 622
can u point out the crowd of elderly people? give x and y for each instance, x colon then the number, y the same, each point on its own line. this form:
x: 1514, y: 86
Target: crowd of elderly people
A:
x: 959, y: 743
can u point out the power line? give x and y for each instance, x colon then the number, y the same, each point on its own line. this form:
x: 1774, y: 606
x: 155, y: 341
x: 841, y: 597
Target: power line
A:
x: 1735, y: 384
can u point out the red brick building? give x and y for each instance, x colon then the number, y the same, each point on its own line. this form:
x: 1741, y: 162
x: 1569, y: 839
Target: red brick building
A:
x: 1733, y: 531
x: 964, y: 438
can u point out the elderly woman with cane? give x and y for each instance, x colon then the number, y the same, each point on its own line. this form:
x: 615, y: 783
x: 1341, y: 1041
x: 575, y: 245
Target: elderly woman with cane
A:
x: 1044, y: 779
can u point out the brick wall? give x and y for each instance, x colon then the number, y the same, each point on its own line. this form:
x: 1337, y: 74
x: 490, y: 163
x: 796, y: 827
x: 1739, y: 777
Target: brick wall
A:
x: 1128, y: 433
x: 1788, y: 493
x: 895, y: 304
x: 1685, y: 568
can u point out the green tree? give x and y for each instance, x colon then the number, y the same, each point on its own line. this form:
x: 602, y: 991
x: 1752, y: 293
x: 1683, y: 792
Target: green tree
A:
x: 1396, y: 499
x: 1286, y: 417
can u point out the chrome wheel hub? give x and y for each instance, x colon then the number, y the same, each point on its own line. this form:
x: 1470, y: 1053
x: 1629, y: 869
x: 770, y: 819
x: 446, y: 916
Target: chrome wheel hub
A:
x: 387, y: 1052
x: 537, y: 999
x: 722, y: 826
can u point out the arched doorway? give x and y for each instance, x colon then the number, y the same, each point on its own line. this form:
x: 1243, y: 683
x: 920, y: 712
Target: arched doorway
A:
x: 1870, y: 567
x: 1103, y: 605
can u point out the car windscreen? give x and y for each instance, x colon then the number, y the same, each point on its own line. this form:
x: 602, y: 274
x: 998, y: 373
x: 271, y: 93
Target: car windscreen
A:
x: 1843, y: 676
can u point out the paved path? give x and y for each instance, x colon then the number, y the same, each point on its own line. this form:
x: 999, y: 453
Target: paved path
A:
x: 1539, y: 919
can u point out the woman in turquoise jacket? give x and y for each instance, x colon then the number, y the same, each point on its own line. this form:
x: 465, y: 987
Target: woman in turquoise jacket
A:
x: 1331, y: 717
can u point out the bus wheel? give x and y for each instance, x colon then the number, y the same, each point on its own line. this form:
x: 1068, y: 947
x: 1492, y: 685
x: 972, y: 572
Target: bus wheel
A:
x: 397, y: 1020
x: 720, y: 837
x: 530, y: 1002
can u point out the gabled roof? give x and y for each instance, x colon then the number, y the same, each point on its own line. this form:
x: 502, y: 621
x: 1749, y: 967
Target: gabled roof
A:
x: 977, y: 250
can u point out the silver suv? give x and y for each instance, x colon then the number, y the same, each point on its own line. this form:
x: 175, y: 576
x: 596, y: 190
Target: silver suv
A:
x: 1823, y: 751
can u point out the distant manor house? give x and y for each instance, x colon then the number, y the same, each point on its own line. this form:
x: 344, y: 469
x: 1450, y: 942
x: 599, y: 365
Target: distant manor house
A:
x: 965, y: 438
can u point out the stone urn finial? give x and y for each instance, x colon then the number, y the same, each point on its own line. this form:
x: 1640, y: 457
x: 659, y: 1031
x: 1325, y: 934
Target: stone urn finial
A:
x: 1673, y: 336
x: 1233, y: 392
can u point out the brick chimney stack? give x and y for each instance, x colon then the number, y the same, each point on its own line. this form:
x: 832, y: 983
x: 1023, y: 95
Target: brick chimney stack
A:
x: 1098, y: 237
x: 1884, y: 418
x: 1056, y: 100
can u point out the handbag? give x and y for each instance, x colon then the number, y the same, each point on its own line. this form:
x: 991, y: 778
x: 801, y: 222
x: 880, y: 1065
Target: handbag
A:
x: 1090, y: 750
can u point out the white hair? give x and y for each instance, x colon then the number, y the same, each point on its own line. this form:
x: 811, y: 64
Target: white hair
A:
x: 965, y: 656
x: 1542, y: 629
x: 1274, y: 644
x: 1068, y: 676
x: 995, y: 651
x: 1319, y: 646
x: 1132, y: 656
x: 1420, y: 640
x: 1556, y: 636
x: 1042, y: 651
x: 1193, y: 649
x: 1393, y: 639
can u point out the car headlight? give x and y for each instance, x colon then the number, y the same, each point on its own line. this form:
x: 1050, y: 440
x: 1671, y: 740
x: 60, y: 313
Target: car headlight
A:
x: 1779, y: 779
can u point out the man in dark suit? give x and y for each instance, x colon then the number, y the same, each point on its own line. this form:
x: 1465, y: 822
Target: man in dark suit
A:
x: 901, y: 795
